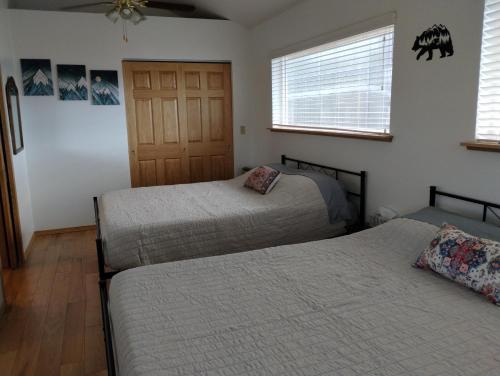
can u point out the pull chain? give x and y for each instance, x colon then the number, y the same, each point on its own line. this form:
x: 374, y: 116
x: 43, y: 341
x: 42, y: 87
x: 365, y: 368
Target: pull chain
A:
x: 125, y: 36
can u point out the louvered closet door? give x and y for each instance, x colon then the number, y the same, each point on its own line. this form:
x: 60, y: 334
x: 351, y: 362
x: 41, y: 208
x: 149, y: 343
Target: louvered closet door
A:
x: 209, y: 121
x: 179, y: 122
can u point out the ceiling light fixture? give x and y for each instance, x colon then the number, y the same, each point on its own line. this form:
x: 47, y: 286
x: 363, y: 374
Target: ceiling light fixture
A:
x: 127, y: 10
x: 131, y: 10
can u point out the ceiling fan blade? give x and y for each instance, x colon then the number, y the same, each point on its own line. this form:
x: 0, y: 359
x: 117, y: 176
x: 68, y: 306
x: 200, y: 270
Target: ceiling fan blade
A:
x: 171, y: 6
x: 82, y: 6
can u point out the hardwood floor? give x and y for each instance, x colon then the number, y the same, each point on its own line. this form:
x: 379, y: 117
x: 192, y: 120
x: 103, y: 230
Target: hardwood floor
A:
x: 52, y: 325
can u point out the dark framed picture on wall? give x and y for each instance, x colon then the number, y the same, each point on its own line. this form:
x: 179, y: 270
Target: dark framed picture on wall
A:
x: 104, y: 87
x: 72, y: 80
x: 37, y: 77
x: 14, y: 113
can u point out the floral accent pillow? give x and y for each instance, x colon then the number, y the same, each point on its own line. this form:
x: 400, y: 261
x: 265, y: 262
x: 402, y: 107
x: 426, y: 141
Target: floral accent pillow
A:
x: 263, y: 179
x: 466, y: 259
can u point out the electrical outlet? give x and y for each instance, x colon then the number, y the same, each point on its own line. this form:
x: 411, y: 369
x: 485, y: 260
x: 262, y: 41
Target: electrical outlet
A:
x: 243, y: 130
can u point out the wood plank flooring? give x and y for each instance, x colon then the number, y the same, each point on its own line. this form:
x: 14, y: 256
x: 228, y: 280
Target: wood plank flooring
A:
x: 52, y: 325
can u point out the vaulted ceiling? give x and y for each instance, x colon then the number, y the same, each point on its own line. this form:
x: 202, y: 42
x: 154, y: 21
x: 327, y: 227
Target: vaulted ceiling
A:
x: 245, y: 12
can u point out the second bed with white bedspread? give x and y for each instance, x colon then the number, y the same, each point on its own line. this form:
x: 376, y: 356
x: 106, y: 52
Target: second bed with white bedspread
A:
x: 151, y: 225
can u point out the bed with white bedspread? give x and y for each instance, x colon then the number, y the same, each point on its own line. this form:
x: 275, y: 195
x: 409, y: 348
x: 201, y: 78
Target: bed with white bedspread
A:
x: 152, y: 225
x: 346, y: 306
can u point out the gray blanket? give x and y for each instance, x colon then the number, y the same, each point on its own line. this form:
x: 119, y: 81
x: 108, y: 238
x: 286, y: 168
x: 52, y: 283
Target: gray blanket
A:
x: 346, y: 306
x: 339, y: 209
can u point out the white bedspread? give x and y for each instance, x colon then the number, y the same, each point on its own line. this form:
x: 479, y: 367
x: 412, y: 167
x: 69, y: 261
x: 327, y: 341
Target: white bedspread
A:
x: 153, y: 225
x: 346, y: 306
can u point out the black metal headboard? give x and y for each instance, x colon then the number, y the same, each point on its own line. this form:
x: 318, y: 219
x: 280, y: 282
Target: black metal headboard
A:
x: 487, y: 206
x: 336, y: 172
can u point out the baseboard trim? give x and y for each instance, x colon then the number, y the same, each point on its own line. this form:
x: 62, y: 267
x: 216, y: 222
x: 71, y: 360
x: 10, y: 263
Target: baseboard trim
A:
x: 29, y: 247
x: 65, y: 230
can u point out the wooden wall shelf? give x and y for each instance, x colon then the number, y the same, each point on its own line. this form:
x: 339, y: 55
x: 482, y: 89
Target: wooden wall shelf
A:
x: 482, y: 146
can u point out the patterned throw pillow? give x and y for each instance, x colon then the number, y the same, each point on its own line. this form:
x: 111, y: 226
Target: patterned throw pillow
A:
x: 263, y: 179
x: 466, y: 259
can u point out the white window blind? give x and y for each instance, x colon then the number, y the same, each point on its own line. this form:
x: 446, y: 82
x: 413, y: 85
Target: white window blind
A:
x: 488, y: 111
x: 344, y: 85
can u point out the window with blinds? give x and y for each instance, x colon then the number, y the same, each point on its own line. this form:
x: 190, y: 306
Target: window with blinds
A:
x: 488, y: 110
x: 344, y: 85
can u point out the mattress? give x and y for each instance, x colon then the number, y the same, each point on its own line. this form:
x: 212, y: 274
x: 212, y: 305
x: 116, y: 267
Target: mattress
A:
x: 152, y: 225
x: 346, y: 306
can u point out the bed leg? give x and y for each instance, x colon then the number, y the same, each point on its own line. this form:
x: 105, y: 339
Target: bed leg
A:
x: 432, y: 196
x: 98, y: 242
x: 100, y: 260
x: 362, y: 201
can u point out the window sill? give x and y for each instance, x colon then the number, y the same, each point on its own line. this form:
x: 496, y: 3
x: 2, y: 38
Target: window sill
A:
x: 383, y: 137
x: 482, y: 146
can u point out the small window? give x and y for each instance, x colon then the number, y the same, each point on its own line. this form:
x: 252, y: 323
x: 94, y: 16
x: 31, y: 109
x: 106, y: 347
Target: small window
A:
x: 488, y: 110
x: 344, y: 85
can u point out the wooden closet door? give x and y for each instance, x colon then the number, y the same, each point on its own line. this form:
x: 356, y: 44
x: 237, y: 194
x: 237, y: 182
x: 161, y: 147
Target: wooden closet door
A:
x: 209, y: 121
x: 179, y: 118
x: 155, y: 118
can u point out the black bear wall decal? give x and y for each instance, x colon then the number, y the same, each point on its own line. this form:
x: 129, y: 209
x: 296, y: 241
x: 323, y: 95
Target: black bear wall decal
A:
x: 436, y: 37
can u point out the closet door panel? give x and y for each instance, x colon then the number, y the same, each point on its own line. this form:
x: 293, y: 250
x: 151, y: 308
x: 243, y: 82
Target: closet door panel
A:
x: 208, y: 87
x: 157, y: 143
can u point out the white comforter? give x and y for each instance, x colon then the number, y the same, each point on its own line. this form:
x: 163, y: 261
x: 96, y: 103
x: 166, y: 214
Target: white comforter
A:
x: 159, y: 224
x: 345, y: 306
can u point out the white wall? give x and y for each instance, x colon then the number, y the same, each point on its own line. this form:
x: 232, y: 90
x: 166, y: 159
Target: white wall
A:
x: 76, y: 150
x: 433, y: 105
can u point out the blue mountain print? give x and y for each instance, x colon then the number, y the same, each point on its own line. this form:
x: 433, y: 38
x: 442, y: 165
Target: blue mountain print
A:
x: 72, y: 80
x: 104, y: 87
x: 37, y: 77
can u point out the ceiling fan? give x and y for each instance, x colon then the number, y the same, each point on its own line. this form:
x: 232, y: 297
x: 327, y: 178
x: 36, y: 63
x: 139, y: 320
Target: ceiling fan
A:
x: 131, y: 10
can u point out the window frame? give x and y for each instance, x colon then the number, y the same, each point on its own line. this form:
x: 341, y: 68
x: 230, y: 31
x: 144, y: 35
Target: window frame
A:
x: 482, y: 144
x: 366, y: 26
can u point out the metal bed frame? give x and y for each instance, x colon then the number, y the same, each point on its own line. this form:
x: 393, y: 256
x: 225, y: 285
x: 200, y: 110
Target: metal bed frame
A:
x: 487, y: 206
x: 335, y: 173
x: 105, y: 275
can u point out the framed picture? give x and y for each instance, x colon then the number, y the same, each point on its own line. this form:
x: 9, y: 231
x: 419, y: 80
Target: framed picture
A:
x: 14, y: 113
x: 37, y: 77
x: 104, y: 87
x: 72, y: 82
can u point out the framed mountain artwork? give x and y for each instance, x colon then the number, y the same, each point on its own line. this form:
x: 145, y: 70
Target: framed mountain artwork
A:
x: 37, y: 77
x: 104, y: 87
x: 72, y: 82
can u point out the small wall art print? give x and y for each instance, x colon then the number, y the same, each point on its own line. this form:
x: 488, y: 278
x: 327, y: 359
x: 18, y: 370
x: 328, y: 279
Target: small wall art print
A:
x: 72, y: 82
x: 37, y: 77
x: 104, y: 86
x: 437, y: 37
